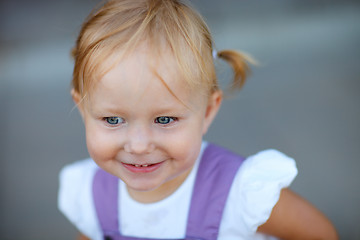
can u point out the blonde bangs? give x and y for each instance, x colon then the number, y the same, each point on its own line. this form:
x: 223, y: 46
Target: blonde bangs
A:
x: 189, y: 40
x: 119, y: 27
x: 103, y: 34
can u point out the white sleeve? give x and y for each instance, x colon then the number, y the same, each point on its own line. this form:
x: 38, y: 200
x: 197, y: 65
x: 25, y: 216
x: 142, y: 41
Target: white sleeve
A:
x: 256, y: 190
x: 75, y: 197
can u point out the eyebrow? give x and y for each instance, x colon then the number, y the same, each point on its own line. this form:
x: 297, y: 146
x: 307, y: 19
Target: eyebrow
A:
x: 167, y: 109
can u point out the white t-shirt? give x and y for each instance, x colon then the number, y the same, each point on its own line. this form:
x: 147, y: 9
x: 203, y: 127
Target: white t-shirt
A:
x: 253, y: 194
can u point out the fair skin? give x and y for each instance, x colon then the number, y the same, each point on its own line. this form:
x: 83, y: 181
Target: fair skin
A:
x: 139, y: 131
x: 295, y: 218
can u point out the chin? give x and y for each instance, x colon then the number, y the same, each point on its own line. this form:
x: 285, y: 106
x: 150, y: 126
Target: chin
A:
x: 142, y: 186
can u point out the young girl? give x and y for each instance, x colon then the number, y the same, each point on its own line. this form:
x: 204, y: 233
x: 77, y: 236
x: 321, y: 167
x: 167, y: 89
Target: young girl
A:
x: 145, y: 84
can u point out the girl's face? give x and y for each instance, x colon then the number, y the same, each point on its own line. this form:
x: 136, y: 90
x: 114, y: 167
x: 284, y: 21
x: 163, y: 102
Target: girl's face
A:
x: 139, y: 131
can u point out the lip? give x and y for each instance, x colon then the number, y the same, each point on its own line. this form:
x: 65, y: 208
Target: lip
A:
x: 141, y: 168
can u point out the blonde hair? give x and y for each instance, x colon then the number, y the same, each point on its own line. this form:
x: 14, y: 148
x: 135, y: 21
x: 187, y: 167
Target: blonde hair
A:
x: 124, y: 24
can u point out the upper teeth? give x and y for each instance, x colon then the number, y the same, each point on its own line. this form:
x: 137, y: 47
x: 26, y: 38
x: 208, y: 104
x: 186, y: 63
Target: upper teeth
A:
x: 138, y: 165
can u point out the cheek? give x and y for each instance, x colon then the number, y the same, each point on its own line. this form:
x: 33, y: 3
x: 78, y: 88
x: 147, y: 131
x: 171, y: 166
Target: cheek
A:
x: 101, y: 146
x: 189, y: 151
x: 186, y: 143
x: 187, y: 154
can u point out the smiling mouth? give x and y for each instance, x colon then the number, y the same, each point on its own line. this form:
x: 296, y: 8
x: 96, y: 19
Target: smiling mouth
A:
x: 142, y: 168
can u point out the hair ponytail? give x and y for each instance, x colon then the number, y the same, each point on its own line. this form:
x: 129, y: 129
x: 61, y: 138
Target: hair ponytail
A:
x: 239, y: 63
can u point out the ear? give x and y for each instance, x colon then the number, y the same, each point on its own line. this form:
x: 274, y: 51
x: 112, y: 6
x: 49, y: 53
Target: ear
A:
x: 212, y: 109
x: 78, y: 101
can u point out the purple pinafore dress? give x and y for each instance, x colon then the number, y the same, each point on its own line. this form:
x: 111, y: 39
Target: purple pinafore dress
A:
x: 215, y: 175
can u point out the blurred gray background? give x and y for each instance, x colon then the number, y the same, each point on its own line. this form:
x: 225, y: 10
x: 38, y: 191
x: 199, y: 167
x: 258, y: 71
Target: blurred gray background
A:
x: 303, y: 99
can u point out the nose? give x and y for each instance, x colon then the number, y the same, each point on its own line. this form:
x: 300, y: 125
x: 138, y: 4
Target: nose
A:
x: 139, y: 140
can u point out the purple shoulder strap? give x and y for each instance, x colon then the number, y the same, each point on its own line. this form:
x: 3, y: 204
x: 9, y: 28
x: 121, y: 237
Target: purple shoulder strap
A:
x: 216, y: 173
x: 214, y: 178
x: 105, y: 195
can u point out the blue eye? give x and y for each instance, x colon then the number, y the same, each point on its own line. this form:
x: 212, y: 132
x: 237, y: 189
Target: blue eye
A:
x: 164, y: 120
x: 114, y: 120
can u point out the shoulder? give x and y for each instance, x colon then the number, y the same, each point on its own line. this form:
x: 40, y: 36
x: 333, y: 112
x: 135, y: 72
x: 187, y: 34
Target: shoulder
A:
x: 74, y: 178
x: 256, y: 189
x: 268, y: 165
x: 78, y: 169
x: 75, y: 195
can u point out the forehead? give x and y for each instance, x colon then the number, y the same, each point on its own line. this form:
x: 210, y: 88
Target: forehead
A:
x: 144, y: 70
